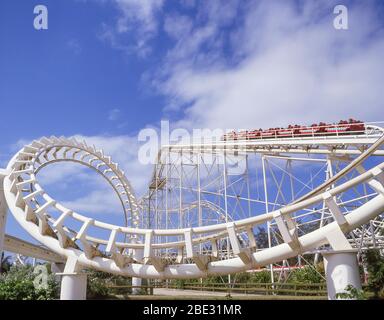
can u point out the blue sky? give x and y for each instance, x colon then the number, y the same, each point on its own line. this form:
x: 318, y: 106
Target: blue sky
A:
x: 66, y: 76
x: 105, y: 69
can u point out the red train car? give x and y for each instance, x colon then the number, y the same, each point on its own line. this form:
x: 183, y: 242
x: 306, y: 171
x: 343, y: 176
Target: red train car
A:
x: 344, y: 127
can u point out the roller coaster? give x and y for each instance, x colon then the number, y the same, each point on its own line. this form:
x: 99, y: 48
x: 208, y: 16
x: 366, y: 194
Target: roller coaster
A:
x: 313, y: 194
x: 344, y: 127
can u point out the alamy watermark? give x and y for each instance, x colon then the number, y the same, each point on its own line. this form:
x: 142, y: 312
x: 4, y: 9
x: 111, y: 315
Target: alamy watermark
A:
x: 199, y: 145
x: 40, y: 21
x: 340, y: 22
x: 40, y: 281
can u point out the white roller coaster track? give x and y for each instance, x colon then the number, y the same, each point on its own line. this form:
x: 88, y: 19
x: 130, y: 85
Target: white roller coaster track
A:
x: 45, y: 219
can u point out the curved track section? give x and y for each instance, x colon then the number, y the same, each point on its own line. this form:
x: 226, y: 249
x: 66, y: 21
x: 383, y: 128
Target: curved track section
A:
x: 139, y: 254
x: 45, y: 152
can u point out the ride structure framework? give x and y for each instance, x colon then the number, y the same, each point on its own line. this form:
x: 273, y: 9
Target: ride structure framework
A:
x: 214, y: 208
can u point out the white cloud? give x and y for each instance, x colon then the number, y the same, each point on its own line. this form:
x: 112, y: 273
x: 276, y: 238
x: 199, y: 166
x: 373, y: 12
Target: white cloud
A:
x: 246, y: 64
x: 282, y: 66
x: 100, y: 201
x: 58, y: 174
x: 138, y: 21
x: 141, y: 12
x: 80, y: 189
x: 178, y: 26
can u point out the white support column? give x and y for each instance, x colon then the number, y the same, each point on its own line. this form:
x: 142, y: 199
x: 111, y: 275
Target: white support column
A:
x: 199, y: 210
x: 226, y: 203
x: 248, y: 186
x: 263, y: 161
x: 181, y: 216
x: 73, y: 281
x: 136, y: 282
x: 3, y: 211
x: 341, y: 270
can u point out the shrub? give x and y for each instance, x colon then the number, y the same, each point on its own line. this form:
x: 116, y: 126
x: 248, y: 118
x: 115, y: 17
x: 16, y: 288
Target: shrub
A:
x: 306, y: 275
x: 98, y: 284
x: 352, y: 293
x: 17, y: 284
x: 243, y: 277
x: 261, y: 277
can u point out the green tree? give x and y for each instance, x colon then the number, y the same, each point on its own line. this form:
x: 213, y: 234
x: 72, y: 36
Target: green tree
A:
x: 375, y: 267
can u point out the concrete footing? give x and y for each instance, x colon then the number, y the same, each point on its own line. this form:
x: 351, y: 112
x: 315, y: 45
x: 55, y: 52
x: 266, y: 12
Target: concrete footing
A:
x: 136, y: 282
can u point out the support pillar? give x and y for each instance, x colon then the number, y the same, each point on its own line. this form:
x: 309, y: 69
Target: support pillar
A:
x: 341, y: 270
x: 73, y: 286
x: 73, y: 281
x: 136, y: 282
